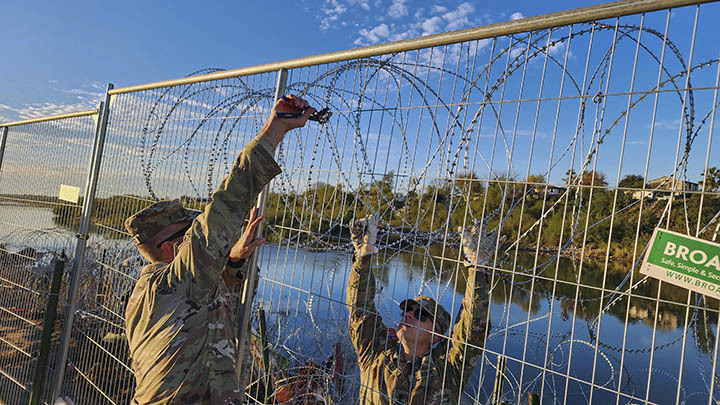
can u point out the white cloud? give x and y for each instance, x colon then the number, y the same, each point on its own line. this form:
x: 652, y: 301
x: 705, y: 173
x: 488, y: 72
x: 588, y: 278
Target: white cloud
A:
x: 517, y: 16
x: 83, y: 92
x: 52, y: 81
x: 362, y: 3
x: 374, y: 35
x: 398, y: 9
x: 669, y: 124
x: 437, y: 9
x: 44, y: 109
x: 441, y: 20
x: 557, y: 49
x: 37, y: 110
x: 332, y: 10
x: 432, y: 25
x: 458, y: 18
x: 517, y: 51
x: 439, y: 59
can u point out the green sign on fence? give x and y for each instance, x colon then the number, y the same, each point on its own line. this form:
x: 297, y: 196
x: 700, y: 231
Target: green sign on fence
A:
x: 685, y: 261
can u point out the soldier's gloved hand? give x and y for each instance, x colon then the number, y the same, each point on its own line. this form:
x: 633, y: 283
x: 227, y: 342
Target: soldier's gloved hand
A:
x: 363, y: 234
x: 478, y: 246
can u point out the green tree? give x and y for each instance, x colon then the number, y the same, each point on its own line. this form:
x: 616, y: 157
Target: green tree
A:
x: 569, y: 176
x: 711, y: 179
x: 632, y: 181
x: 593, y: 177
x: 469, y: 184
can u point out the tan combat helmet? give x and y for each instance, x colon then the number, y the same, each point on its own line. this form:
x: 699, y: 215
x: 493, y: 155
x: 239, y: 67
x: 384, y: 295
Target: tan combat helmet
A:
x: 155, y: 219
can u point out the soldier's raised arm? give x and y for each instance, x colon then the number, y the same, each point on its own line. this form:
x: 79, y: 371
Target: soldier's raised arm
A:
x: 367, y: 330
x: 468, y: 334
x: 180, y: 327
x: 207, y: 243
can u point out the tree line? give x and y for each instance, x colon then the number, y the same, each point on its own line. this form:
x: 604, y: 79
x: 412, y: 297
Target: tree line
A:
x: 568, y: 217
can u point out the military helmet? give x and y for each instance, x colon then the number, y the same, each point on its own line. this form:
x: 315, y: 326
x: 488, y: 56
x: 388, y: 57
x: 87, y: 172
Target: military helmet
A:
x: 153, y: 220
x: 441, y: 317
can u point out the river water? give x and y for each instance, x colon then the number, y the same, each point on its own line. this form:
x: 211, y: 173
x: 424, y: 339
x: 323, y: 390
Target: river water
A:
x: 32, y: 226
x: 551, y: 325
x: 557, y: 334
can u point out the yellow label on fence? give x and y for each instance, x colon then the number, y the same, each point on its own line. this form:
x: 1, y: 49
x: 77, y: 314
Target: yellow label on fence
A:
x: 69, y: 193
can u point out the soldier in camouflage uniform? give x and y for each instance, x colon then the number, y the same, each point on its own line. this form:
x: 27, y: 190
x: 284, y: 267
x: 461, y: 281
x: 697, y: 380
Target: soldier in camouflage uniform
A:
x: 421, y: 366
x: 181, y: 318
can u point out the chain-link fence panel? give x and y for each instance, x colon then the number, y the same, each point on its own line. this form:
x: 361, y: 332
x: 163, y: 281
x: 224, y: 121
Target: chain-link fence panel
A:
x: 566, y: 142
x: 164, y: 143
x: 42, y: 183
x: 516, y: 173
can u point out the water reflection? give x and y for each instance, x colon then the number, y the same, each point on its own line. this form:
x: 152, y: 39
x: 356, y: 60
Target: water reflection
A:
x: 549, y: 322
x: 561, y: 322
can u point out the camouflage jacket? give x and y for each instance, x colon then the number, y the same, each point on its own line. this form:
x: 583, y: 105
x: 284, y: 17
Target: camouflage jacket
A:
x: 437, y: 377
x: 181, y: 318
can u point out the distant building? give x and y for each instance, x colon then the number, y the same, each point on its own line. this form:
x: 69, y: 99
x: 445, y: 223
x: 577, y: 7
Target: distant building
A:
x: 668, y: 184
x: 551, y: 190
x: 555, y: 190
x: 648, y: 194
x: 661, y: 188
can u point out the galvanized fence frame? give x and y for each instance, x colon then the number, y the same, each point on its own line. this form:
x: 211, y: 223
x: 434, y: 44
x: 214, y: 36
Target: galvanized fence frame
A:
x: 29, y: 244
x: 491, y: 32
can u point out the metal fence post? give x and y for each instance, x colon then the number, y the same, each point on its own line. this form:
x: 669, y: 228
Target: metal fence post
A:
x: 248, y: 290
x: 48, y: 326
x: 262, y: 331
x: 81, y: 242
x: 499, y: 381
x: 3, y: 139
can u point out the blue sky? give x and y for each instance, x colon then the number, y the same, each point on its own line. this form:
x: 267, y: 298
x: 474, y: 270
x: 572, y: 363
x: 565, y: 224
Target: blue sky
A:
x: 58, y: 56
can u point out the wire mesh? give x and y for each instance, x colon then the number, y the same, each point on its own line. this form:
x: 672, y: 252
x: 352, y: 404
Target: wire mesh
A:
x: 176, y: 142
x: 568, y: 141
x: 35, y: 225
x: 573, y: 143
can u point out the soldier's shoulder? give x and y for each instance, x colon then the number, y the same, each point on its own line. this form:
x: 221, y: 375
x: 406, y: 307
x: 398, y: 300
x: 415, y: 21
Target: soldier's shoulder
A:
x: 150, y: 273
x: 153, y: 268
x: 150, y: 278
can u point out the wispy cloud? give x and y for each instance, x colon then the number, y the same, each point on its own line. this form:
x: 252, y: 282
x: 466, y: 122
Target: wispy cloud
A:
x: 516, y: 16
x: 59, y: 101
x: 432, y: 25
x: 394, y: 20
x: 557, y: 49
x: 331, y: 11
x: 459, y: 18
x: 436, y: 9
x: 37, y: 110
x: 668, y: 124
x: 364, y: 4
x: 374, y: 35
x: 82, y: 94
x: 397, y: 9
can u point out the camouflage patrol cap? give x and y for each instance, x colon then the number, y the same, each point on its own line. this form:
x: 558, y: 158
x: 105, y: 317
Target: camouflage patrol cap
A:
x: 150, y: 221
x: 441, y: 317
